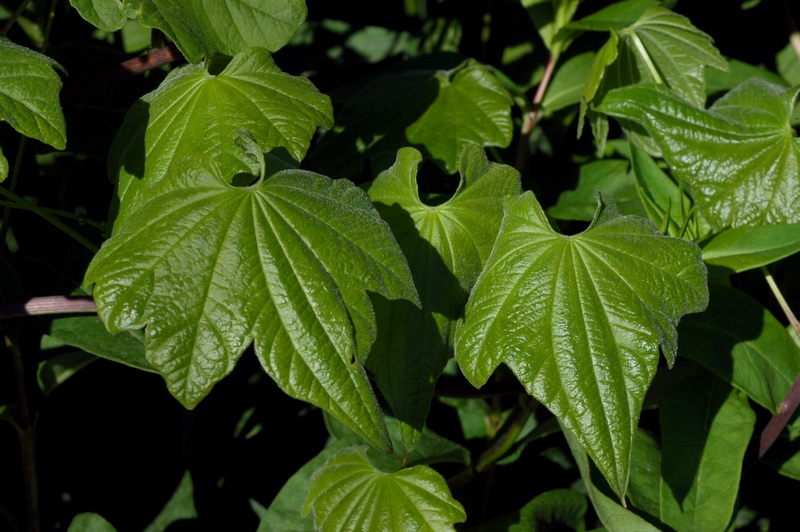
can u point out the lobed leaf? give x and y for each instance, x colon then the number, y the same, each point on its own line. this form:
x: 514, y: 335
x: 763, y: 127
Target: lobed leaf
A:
x: 740, y: 156
x: 29, y: 88
x: 446, y: 246
x: 201, y: 28
x: 209, y: 268
x: 580, y: 319
x: 348, y: 493
x: 436, y: 111
x: 196, y: 110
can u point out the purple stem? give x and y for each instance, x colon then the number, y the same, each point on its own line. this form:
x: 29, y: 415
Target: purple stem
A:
x: 38, y: 306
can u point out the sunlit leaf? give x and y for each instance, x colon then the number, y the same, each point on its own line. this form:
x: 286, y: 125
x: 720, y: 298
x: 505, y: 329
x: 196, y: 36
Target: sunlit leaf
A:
x: 580, y: 319
x: 201, y: 28
x: 29, y: 88
x: 284, y: 263
x: 740, y: 156
x: 436, y: 111
x: 197, y: 110
x: 348, y: 493
x: 446, y: 246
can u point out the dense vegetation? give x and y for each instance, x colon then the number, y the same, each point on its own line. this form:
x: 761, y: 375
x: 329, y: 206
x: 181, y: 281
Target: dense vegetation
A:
x: 462, y: 264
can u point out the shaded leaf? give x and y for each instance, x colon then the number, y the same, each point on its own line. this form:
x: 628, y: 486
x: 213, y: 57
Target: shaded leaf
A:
x: 194, y: 110
x: 29, y: 101
x: 577, y: 327
x: 557, y: 508
x: 201, y: 28
x: 179, y: 507
x: 788, y: 64
x: 90, y: 522
x: 706, y: 426
x: 745, y: 248
x: 615, y: 16
x: 348, y: 493
x: 743, y: 344
x: 446, y: 246
x: 740, y: 156
x: 3, y: 166
x: 90, y: 334
x: 55, y: 370
x: 568, y: 82
x: 285, y: 263
x: 550, y: 17
x: 436, y: 111
x: 108, y: 15
x: 738, y: 72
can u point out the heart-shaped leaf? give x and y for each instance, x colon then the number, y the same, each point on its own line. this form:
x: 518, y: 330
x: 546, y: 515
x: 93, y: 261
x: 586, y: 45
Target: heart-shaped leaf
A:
x: 446, y: 246
x: 209, y: 268
x: 201, y: 28
x: 195, y: 110
x: 348, y: 493
x: 29, y: 101
x: 740, y: 156
x: 580, y: 319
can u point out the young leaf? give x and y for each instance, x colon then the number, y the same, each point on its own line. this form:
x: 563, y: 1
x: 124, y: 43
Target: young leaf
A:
x: 209, y: 267
x: 29, y: 101
x: 348, y: 493
x: 748, y: 348
x: 745, y: 248
x: 108, y: 15
x: 436, y: 111
x: 194, y: 110
x: 740, y: 156
x: 200, y: 29
x: 446, y: 247
x: 706, y: 427
x: 580, y: 319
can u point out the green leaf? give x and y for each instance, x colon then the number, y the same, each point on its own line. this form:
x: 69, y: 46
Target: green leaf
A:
x: 108, y: 15
x: 3, y: 166
x: 553, y: 509
x: 644, y: 490
x: 284, y: 514
x: 179, y: 507
x: 613, y: 516
x: 90, y: 522
x: 706, y: 426
x: 745, y: 248
x: 573, y: 322
x: 615, y: 16
x: 195, y: 110
x: 200, y: 29
x: 568, y: 82
x: 738, y: 72
x: 446, y: 246
x: 348, y: 493
x: 55, y: 370
x: 436, y: 111
x: 740, y: 156
x: 89, y: 333
x: 611, y: 176
x: 29, y: 88
x: 550, y: 17
x: 743, y: 344
x: 285, y: 262
x: 788, y: 64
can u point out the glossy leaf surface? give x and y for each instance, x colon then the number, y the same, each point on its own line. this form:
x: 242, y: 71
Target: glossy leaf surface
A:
x: 748, y: 348
x: 201, y: 28
x: 436, y: 111
x: 108, y: 15
x: 580, y: 319
x: 446, y: 247
x: 745, y: 248
x: 29, y: 101
x: 348, y: 493
x: 740, y: 156
x: 285, y: 263
x: 195, y: 110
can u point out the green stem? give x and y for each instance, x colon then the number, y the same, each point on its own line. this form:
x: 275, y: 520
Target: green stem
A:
x: 781, y: 301
x: 15, y: 16
x: 49, y: 27
x: 28, y: 206
x: 12, y: 183
x: 26, y: 429
x: 55, y: 221
x: 508, y: 434
x: 646, y: 57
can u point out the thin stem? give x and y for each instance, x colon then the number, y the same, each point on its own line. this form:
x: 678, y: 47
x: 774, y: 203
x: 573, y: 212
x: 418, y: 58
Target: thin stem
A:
x: 15, y: 16
x: 40, y: 306
x: 26, y: 429
x: 530, y: 120
x: 12, y: 183
x: 781, y: 301
x: 646, y: 57
x: 55, y: 221
x: 794, y: 33
x: 28, y: 206
x: 508, y: 434
x: 51, y: 15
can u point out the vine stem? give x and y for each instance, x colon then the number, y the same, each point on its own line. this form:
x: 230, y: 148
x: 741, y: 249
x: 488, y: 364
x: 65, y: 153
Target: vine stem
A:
x: 27, y: 206
x: 91, y: 246
x: 4, y: 225
x: 26, y: 430
x: 531, y: 118
x: 15, y: 16
x: 41, y: 306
